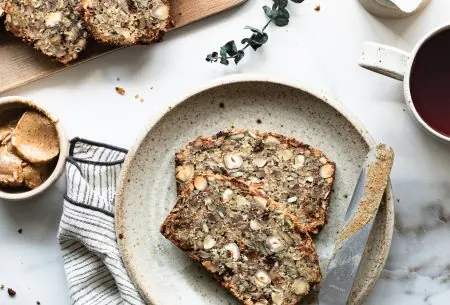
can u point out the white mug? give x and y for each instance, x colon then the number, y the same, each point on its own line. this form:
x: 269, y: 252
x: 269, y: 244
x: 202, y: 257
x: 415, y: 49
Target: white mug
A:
x: 388, y: 9
x: 397, y: 64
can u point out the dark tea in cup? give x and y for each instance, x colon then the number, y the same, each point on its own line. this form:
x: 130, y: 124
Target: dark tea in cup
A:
x: 430, y: 82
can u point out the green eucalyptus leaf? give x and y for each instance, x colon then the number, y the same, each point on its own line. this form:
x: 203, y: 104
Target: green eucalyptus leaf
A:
x: 223, y: 52
x: 272, y: 14
x: 282, y: 21
x: 260, y: 38
x: 254, y: 30
x: 283, y: 13
x: 239, y: 56
x: 229, y: 48
x: 282, y: 3
x: 254, y: 45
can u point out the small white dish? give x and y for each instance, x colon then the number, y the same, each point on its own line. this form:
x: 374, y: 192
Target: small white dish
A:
x: 18, y: 102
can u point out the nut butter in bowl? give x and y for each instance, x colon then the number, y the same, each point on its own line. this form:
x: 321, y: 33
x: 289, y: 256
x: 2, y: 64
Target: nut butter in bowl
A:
x: 33, y: 149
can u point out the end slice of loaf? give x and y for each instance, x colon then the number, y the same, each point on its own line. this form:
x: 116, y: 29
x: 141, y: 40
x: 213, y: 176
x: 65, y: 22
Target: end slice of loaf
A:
x: 56, y: 28
x: 127, y: 22
x: 250, y: 243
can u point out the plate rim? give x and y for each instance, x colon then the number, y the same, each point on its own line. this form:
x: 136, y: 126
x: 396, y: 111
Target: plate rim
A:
x: 241, y: 78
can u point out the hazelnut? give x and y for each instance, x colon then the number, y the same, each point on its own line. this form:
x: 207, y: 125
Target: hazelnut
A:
x: 262, y: 278
x: 185, y: 172
x: 286, y: 154
x: 227, y: 195
x: 277, y: 298
x: 260, y: 202
x: 200, y: 183
x: 208, y: 242
x: 274, y: 244
x: 326, y: 171
x: 233, y: 161
x: 271, y: 141
x: 299, y: 161
x: 260, y: 162
x: 255, y: 225
x: 300, y: 286
x: 161, y: 12
x: 233, y: 250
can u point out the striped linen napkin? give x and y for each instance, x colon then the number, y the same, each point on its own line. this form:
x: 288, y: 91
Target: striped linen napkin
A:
x: 94, y: 268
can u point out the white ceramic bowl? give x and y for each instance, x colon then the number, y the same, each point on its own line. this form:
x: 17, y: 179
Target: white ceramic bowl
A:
x: 12, y: 102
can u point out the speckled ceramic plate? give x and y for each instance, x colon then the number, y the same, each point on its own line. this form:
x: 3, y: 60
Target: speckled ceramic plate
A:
x: 162, y: 273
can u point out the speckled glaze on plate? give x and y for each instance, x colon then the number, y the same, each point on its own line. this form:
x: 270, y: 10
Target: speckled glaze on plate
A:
x: 165, y: 275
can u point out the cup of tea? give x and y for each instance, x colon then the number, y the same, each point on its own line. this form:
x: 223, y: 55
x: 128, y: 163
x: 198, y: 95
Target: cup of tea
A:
x: 425, y: 73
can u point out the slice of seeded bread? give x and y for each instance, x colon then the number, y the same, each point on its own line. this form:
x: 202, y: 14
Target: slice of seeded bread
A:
x: 287, y: 170
x: 127, y: 22
x: 249, y: 243
x: 56, y: 28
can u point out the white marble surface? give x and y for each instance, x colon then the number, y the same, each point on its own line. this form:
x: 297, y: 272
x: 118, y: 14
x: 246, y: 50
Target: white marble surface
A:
x: 319, y: 49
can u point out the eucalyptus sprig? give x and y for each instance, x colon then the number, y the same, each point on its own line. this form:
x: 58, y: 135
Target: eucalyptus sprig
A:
x: 278, y: 14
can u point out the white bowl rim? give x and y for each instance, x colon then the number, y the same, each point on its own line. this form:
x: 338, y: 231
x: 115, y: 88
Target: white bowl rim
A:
x: 63, y: 153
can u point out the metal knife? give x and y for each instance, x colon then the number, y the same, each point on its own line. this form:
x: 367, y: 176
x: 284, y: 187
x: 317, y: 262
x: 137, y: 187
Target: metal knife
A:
x: 352, y: 240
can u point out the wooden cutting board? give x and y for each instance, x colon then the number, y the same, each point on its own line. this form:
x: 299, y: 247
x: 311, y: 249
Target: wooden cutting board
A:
x: 20, y: 64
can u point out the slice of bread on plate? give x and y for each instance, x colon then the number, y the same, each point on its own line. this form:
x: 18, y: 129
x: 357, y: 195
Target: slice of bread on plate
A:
x: 290, y: 172
x: 248, y: 242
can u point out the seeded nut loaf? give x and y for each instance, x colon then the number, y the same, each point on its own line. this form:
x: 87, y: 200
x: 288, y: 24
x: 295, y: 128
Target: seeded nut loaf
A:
x: 246, y: 240
x: 56, y: 28
x: 127, y: 22
x: 288, y: 171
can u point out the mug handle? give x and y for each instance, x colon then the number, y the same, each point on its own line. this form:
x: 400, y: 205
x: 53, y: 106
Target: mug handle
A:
x: 384, y: 59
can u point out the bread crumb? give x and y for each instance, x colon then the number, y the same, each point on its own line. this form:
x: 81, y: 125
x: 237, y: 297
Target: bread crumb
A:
x: 120, y: 236
x: 11, y: 292
x: 20, y: 231
x: 136, y: 96
x: 317, y: 8
x: 2, y: 286
x: 141, y: 100
x: 120, y: 90
x: 222, y: 105
x: 259, y: 121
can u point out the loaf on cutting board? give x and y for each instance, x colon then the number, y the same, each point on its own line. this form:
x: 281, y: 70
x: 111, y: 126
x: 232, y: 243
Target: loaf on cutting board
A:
x: 250, y: 244
x: 56, y: 28
x: 292, y: 173
x: 127, y: 22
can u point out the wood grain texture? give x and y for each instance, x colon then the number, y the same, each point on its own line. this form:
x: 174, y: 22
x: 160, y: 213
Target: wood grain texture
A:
x: 21, y: 64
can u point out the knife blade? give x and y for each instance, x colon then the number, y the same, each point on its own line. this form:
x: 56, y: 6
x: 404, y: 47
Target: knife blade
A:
x: 358, y: 222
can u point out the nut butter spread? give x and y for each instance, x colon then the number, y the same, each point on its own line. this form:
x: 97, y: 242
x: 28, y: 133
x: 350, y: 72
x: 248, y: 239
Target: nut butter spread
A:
x: 28, y: 145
